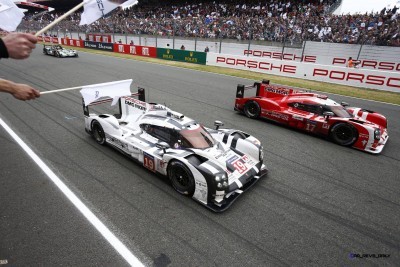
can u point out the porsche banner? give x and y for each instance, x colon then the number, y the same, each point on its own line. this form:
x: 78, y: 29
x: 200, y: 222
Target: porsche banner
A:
x: 182, y: 55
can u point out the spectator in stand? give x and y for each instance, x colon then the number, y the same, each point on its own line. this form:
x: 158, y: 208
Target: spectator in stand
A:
x: 182, y: 47
x: 207, y: 49
x: 284, y: 20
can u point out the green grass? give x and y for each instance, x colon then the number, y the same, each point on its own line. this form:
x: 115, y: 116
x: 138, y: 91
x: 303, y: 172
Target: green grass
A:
x: 364, y: 93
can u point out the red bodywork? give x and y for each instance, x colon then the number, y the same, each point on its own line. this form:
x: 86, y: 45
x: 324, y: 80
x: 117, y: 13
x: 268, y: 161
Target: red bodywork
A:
x: 364, y: 129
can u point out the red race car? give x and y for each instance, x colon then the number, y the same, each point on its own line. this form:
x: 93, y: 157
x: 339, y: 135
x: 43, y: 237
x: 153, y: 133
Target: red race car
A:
x: 362, y: 129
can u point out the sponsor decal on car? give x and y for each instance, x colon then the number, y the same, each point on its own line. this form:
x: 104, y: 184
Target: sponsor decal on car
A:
x: 299, y: 118
x: 275, y: 114
x: 135, y: 103
x: 280, y: 91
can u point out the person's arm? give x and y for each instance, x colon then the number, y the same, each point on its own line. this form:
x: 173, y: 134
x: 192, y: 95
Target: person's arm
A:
x: 3, y: 50
x: 18, y: 90
x: 17, y: 45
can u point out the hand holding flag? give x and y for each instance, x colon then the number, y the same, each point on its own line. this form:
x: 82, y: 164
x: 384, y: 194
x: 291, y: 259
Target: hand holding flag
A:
x: 19, y: 45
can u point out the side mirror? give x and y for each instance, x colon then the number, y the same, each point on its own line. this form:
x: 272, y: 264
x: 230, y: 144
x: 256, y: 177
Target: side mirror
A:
x: 163, y: 146
x: 344, y: 104
x: 328, y: 114
x: 218, y: 124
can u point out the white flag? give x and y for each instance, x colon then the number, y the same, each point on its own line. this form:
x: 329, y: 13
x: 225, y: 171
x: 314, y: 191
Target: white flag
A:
x: 129, y: 4
x: 115, y: 90
x: 10, y: 15
x: 95, y: 9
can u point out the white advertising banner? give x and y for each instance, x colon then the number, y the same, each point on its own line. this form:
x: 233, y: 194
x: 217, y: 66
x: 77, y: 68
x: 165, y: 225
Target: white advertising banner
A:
x: 383, y: 58
x: 365, y: 78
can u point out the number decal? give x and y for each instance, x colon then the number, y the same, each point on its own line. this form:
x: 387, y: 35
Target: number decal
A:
x: 148, y: 162
x: 240, y: 166
x: 310, y: 127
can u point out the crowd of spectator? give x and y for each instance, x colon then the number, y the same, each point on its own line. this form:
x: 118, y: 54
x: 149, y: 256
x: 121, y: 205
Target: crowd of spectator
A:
x: 292, y: 21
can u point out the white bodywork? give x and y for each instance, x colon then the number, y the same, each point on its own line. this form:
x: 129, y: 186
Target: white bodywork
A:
x: 239, y: 164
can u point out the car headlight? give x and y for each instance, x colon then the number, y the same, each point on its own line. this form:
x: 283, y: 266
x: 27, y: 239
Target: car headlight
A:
x: 224, y: 177
x: 221, y: 177
x: 261, y: 155
x: 222, y: 180
x: 377, y: 134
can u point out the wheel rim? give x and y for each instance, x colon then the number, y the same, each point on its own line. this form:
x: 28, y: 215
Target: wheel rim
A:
x: 344, y: 134
x: 180, y: 179
x: 98, y: 134
x: 252, y: 109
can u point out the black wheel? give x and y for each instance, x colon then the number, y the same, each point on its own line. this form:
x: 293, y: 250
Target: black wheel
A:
x: 252, y: 109
x: 57, y: 54
x: 344, y: 134
x: 181, y: 178
x: 98, y: 133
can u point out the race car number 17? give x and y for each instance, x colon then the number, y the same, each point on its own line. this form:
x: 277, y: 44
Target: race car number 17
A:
x: 148, y: 162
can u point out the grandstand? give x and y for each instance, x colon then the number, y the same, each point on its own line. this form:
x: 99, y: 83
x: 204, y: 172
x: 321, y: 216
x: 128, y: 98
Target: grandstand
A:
x: 274, y: 21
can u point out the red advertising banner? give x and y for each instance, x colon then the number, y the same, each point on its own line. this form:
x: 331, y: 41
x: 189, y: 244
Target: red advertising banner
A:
x: 100, y: 38
x: 144, y: 51
x: 48, y: 39
x: 72, y: 42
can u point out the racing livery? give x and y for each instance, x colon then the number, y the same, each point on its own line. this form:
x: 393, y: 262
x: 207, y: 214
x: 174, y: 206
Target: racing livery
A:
x: 348, y: 126
x: 213, y: 166
x: 59, y: 51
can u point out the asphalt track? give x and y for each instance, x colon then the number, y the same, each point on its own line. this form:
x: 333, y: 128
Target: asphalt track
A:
x: 319, y: 203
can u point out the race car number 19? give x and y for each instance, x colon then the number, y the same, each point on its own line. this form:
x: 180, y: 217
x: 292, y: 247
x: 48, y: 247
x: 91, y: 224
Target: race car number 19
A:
x: 148, y: 162
x: 240, y: 166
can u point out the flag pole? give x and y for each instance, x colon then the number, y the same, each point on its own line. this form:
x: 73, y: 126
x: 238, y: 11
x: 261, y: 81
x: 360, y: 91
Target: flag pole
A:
x: 60, y: 90
x: 51, y: 25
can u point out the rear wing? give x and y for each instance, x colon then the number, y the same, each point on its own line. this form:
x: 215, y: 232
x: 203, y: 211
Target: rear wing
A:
x: 140, y: 95
x: 265, y: 89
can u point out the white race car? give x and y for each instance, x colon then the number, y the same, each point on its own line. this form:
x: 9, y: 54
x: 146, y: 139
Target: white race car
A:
x: 59, y: 51
x: 212, y: 166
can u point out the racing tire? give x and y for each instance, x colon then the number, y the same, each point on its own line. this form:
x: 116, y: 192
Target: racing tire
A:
x: 57, y: 54
x: 98, y: 133
x: 252, y: 109
x: 344, y: 134
x: 181, y: 178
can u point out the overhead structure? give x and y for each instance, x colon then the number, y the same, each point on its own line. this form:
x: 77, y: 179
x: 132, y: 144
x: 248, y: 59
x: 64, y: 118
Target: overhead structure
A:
x: 32, y: 4
x: 367, y: 6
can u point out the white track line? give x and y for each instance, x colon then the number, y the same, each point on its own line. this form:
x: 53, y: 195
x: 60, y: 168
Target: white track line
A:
x: 104, y: 231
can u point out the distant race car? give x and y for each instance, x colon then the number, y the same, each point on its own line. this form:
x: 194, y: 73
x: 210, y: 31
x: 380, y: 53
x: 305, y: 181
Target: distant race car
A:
x: 59, y: 51
x: 348, y: 126
x: 213, y: 166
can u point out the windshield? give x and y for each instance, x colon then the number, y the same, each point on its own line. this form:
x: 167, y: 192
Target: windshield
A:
x: 339, y: 111
x: 195, y: 136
